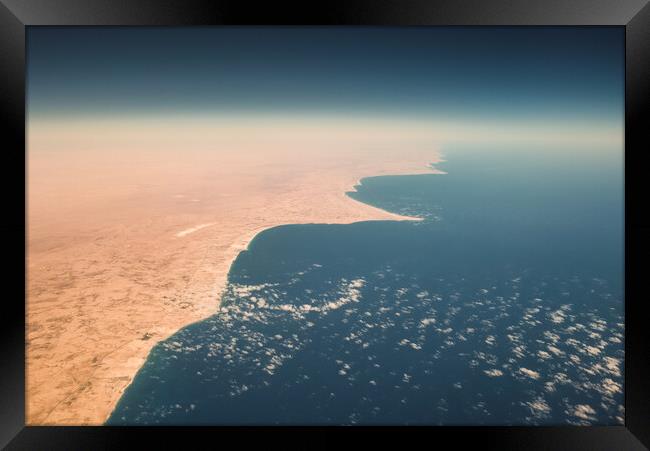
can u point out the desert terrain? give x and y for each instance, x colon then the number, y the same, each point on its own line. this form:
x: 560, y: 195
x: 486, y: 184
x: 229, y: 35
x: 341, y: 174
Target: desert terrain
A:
x: 132, y: 227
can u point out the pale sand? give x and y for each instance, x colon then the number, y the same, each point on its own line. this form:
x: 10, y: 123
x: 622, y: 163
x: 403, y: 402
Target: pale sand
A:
x: 121, y: 254
x: 182, y: 233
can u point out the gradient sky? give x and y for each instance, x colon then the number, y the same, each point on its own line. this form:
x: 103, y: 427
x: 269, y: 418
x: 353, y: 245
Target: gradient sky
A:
x: 475, y: 73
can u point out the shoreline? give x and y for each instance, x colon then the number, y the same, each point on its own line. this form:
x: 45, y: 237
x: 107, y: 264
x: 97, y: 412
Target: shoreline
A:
x: 248, y: 238
x: 140, y: 255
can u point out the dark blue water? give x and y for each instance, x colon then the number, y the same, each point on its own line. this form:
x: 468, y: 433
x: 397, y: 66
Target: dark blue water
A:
x: 504, y: 306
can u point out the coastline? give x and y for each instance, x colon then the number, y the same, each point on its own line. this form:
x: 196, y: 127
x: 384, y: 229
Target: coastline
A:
x: 115, y: 271
x: 241, y: 245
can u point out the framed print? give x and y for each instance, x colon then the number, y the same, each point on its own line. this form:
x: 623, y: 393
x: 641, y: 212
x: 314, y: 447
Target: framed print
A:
x: 427, y: 215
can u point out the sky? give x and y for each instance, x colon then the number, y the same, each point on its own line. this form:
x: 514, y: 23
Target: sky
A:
x: 478, y: 78
x: 476, y: 71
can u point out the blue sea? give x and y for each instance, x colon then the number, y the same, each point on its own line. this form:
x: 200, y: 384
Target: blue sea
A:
x: 504, y: 306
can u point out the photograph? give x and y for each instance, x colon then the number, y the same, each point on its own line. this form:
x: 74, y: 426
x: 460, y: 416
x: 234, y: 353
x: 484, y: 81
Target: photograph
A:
x: 325, y: 225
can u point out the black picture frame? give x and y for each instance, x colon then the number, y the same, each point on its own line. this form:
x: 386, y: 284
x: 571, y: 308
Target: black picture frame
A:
x: 633, y: 15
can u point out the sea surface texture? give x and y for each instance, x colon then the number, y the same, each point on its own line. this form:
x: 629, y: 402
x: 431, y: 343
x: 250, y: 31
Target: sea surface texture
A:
x: 504, y: 306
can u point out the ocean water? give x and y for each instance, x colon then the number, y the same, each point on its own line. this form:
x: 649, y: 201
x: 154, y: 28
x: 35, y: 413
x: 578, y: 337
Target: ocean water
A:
x: 504, y: 306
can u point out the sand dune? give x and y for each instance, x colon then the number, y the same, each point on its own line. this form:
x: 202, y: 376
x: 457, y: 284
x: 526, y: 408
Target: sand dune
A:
x: 108, y: 276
